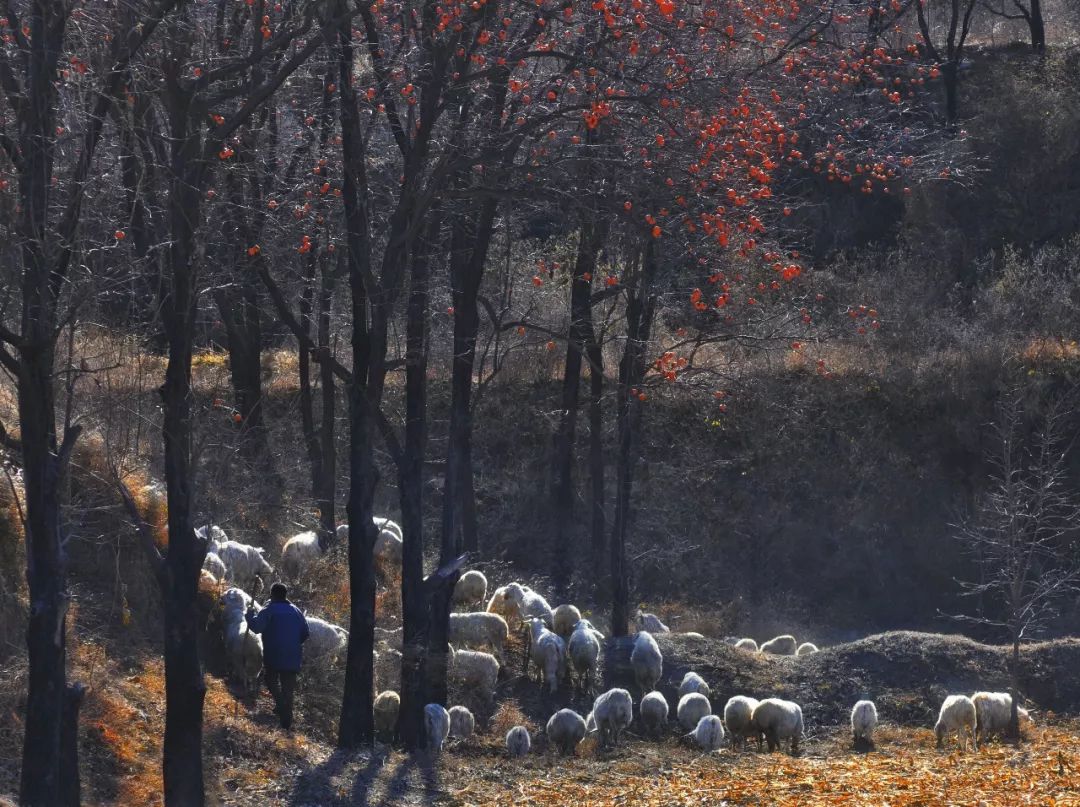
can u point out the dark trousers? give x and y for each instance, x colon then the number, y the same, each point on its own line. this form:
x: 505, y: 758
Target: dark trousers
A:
x: 282, y: 684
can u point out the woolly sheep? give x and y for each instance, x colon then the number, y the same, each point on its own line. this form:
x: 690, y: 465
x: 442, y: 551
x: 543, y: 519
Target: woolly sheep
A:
x: 518, y: 742
x: 780, y: 646
x: 565, y: 729
x: 437, y: 725
x: 693, y: 634
x: 709, y: 733
x: 478, y: 629
x: 299, y: 553
x: 612, y: 712
x: 213, y: 564
x: 548, y: 652
x: 474, y: 670
x: 647, y: 662
x: 530, y: 603
x: 462, y: 722
x: 651, y: 623
x: 747, y: 644
x: 381, y: 524
x: 387, y: 706
x: 957, y: 715
x: 242, y: 647
x: 806, y: 648
x: 504, y: 606
x: 993, y: 711
x: 583, y: 648
x: 738, y: 715
x: 325, y: 642
x: 213, y: 535
x: 470, y: 589
x: 779, y: 720
x: 692, y: 682
x: 388, y: 550
x: 565, y: 619
x: 654, y: 712
x: 692, y: 707
x: 244, y: 564
x: 863, y: 722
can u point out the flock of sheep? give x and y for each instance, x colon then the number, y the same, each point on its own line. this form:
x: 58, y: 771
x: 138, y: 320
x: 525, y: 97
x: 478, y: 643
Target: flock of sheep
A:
x: 564, y: 648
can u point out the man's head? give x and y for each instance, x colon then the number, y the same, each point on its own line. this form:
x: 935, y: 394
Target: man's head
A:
x: 278, y: 592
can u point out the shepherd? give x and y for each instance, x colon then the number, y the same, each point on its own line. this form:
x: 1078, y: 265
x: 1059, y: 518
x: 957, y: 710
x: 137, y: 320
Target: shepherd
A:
x: 284, y: 630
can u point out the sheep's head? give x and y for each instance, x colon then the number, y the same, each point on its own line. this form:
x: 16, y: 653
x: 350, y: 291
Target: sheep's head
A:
x: 235, y: 598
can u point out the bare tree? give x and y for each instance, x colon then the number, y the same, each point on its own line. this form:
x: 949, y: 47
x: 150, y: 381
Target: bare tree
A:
x: 1023, y: 533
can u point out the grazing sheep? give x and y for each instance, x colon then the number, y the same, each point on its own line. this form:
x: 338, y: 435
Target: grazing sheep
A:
x: 518, y: 742
x: 388, y: 550
x: 863, y: 722
x: 462, y: 722
x: 213, y: 564
x: 437, y: 725
x: 381, y: 524
x: 993, y: 711
x: 474, y: 670
x: 478, y: 629
x: 206, y: 580
x: 779, y: 720
x: 564, y: 619
x: 530, y: 604
x: 244, y: 564
x: 709, y: 733
x: 326, y: 641
x: 747, y: 644
x: 738, y: 715
x: 612, y: 712
x: 470, y: 589
x: 504, y: 606
x: 957, y: 715
x: 692, y: 707
x: 299, y: 553
x: 342, y: 533
x: 654, y: 712
x: 651, y: 623
x: 387, y: 706
x: 242, y: 647
x: 548, y: 652
x: 647, y: 662
x: 583, y: 648
x: 780, y: 646
x: 692, y: 682
x: 213, y: 535
x: 565, y: 729
x: 693, y: 634
x: 806, y: 648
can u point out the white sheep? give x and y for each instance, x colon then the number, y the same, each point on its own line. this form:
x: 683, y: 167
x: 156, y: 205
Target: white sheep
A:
x: 747, y: 644
x: 692, y: 682
x: 529, y: 603
x: 299, y: 553
x: 957, y: 715
x: 213, y: 564
x: 780, y: 646
x: 863, y: 722
x: 583, y: 648
x: 462, y: 722
x: 478, y: 629
x: 806, y: 648
x: 738, y: 715
x: 548, y: 652
x: 387, y: 707
x: 244, y: 564
x: 647, y: 661
x: 213, y: 535
x: 564, y: 619
x: 504, y: 606
x: 651, y: 623
x: 654, y: 712
x: 518, y: 741
x: 993, y: 711
x: 242, y: 647
x: 694, y: 635
x: 388, y: 543
x: 474, y: 670
x: 709, y: 733
x: 612, y: 712
x: 437, y: 725
x: 779, y: 720
x: 565, y: 729
x: 326, y: 641
x: 470, y: 589
x: 692, y: 707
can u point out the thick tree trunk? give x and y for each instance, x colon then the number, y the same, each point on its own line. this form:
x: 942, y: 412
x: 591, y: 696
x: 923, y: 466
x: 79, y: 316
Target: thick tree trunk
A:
x: 70, y: 789
x: 1014, y: 690
x: 596, y: 453
x: 950, y: 76
x: 1037, y: 26
x: 640, y: 306
x: 327, y: 489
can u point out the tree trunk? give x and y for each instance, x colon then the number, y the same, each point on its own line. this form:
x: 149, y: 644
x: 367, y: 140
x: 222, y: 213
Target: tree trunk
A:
x: 1038, y: 27
x: 325, y: 495
x: 950, y: 75
x: 70, y: 790
x: 1014, y: 690
x: 640, y: 306
x: 596, y: 452
x: 312, y: 441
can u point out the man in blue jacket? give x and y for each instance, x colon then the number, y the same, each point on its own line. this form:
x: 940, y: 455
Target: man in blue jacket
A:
x: 284, y: 631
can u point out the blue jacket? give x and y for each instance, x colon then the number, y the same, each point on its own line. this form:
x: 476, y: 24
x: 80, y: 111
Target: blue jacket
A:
x: 284, y: 630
